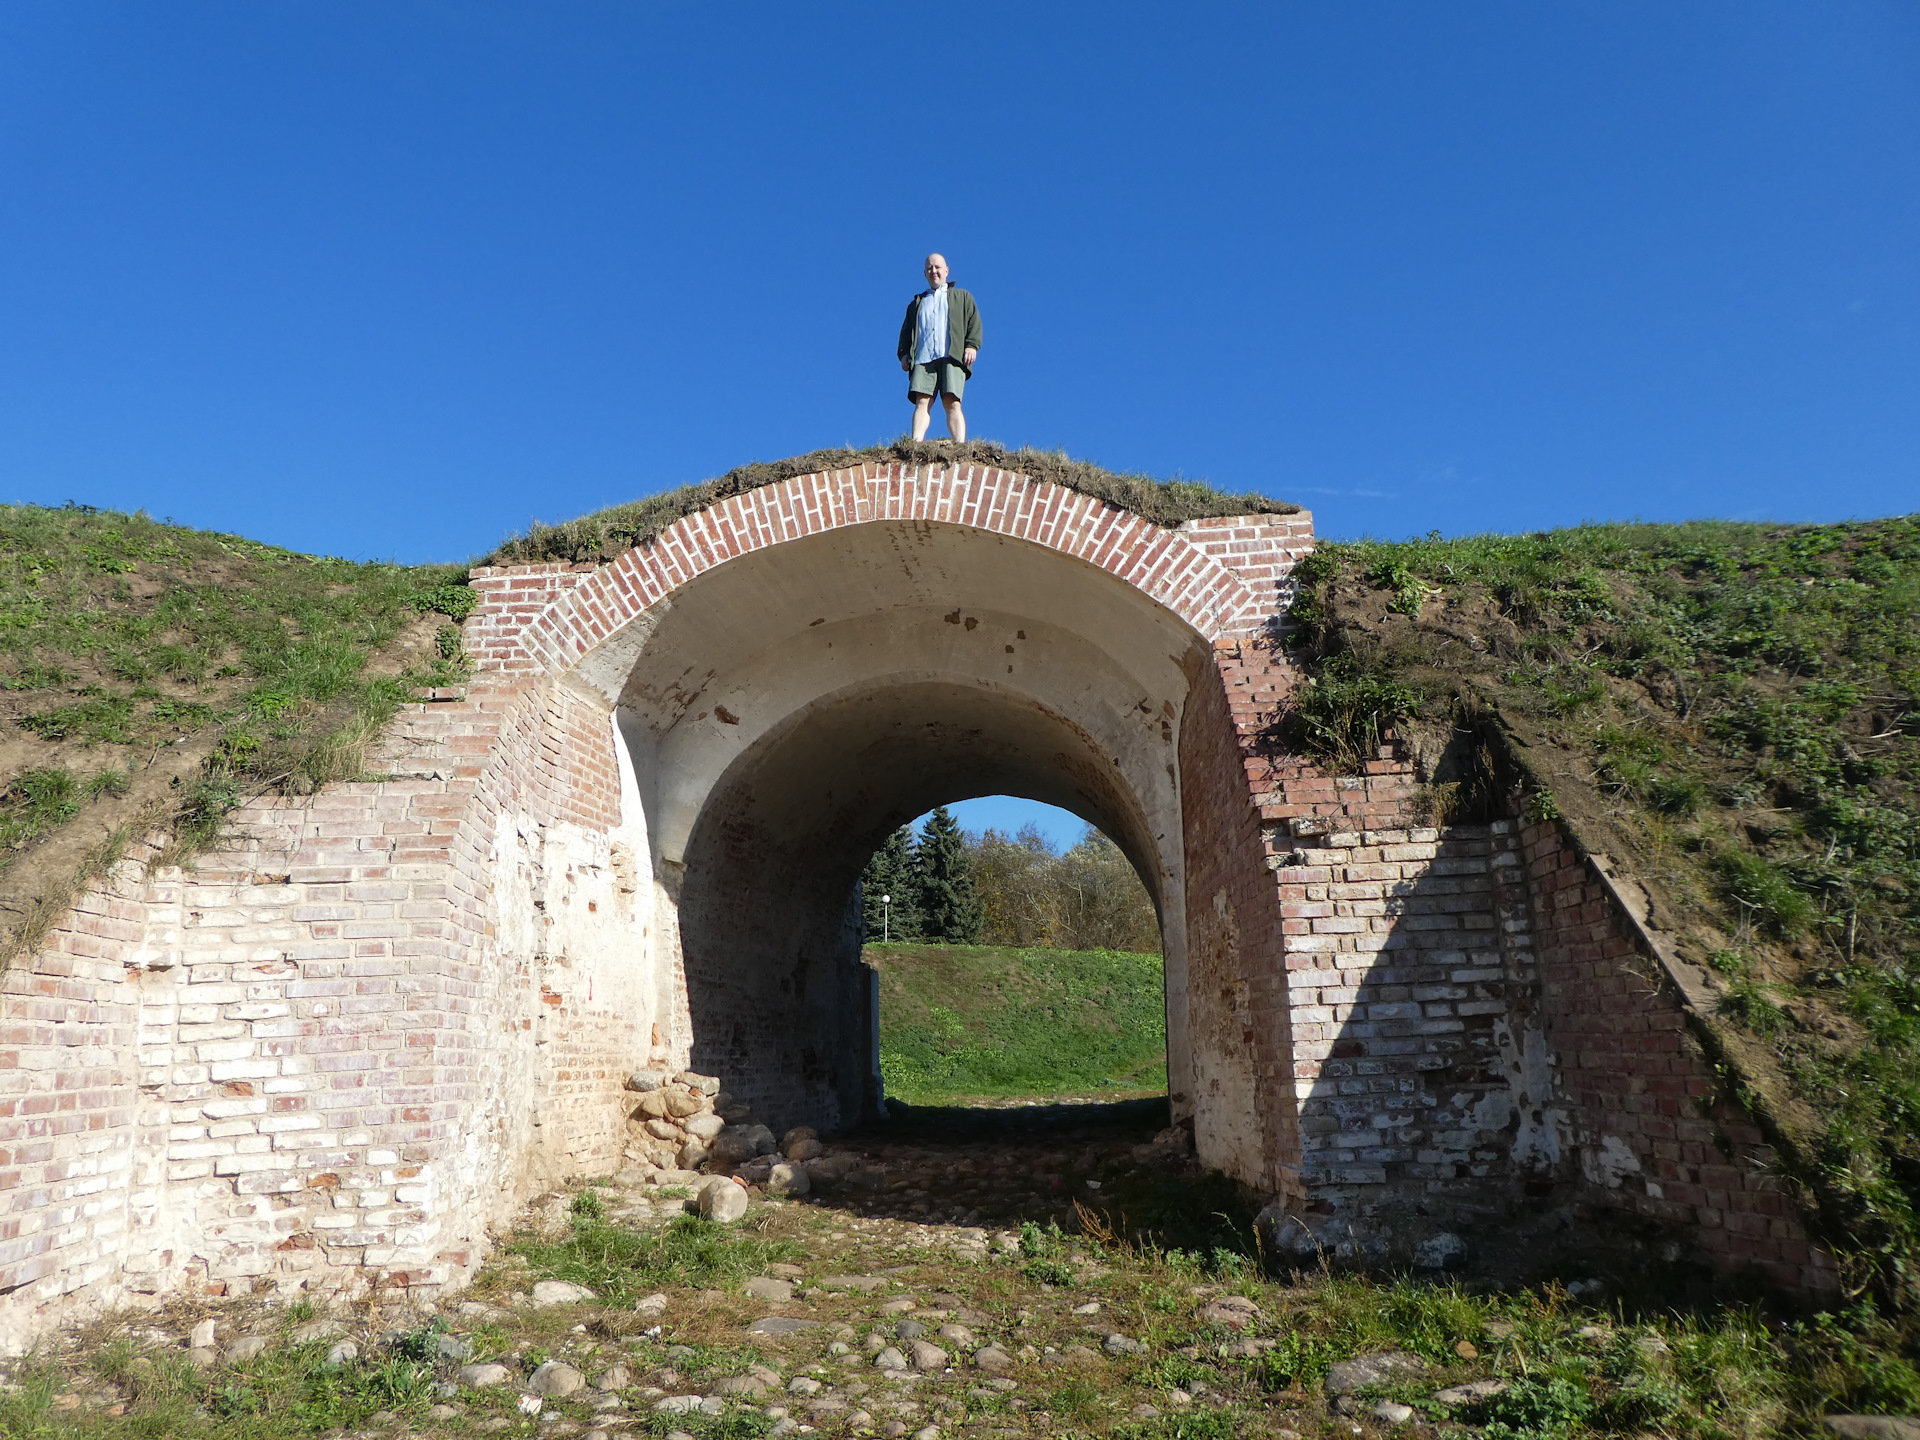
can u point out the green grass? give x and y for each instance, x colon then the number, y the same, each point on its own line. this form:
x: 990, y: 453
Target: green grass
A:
x: 121, y: 636
x: 960, y: 1021
x: 606, y: 533
x: 34, y: 803
x: 1746, y: 699
x: 287, y: 1390
x: 621, y: 1265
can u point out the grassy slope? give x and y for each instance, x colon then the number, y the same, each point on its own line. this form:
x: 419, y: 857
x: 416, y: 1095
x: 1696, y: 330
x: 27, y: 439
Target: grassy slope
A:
x: 960, y: 1021
x: 605, y: 533
x: 1736, y: 710
x: 152, y: 675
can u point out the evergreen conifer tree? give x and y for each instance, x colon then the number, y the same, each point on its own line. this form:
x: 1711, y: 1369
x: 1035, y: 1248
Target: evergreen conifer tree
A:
x: 891, y: 871
x: 950, y: 910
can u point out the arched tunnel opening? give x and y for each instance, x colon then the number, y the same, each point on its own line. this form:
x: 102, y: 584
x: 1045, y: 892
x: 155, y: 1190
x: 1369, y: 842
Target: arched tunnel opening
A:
x: 782, y: 1004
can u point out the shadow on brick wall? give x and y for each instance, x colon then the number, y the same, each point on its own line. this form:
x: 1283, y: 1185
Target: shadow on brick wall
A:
x: 1425, y: 1089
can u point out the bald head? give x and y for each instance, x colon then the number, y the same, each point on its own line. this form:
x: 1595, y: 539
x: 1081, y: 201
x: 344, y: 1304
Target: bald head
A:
x: 936, y: 269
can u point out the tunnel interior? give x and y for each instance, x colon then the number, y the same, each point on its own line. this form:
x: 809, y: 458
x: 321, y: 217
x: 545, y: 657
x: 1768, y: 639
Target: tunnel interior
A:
x: 788, y: 710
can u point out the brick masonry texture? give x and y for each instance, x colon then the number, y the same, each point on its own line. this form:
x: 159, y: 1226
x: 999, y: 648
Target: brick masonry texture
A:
x: 1639, y: 1096
x: 308, y: 1062
x: 376, y: 1019
x: 1223, y: 576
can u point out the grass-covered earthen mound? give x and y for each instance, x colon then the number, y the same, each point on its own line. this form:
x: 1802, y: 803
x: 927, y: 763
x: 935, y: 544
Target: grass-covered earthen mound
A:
x: 1733, y: 710
x: 153, y: 676
x: 983, y: 1022
x: 607, y: 533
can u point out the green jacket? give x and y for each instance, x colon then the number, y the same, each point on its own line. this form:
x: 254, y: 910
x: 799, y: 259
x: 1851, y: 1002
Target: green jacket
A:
x: 963, y: 327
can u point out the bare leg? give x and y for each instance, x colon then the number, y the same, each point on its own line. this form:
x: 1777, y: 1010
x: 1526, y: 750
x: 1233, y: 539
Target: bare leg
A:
x: 956, y: 422
x: 922, y: 409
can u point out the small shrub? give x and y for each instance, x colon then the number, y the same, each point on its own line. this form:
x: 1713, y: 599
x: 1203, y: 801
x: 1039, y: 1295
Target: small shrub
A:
x: 1409, y: 591
x: 454, y: 599
x: 1540, y: 807
x: 1037, y: 1243
x: 419, y: 1345
x: 1230, y: 1264
x: 1342, y: 712
x: 586, y: 1205
x: 1730, y: 962
x: 1048, y: 1272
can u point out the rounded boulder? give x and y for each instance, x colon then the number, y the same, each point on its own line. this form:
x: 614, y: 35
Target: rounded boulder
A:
x: 722, y: 1201
x: 556, y: 1377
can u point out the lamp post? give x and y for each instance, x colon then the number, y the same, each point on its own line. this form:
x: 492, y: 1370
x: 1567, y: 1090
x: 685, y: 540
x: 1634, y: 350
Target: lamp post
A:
x: 886, y: 913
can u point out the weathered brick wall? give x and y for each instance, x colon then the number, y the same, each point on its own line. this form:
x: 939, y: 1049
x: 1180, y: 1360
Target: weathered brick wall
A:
x: 76, y: 1134
x: 342, y: 1044
x: 1476, y: 1030
x: 337, y: 1048
x: 1237, y: 1036
x: 1411, y: 969
x: 1647, y: 1132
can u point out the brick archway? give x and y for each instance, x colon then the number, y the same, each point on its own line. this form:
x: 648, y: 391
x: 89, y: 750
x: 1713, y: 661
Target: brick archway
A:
x: 1118, y: 629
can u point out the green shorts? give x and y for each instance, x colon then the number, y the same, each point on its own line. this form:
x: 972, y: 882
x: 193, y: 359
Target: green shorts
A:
x: 937, y: 377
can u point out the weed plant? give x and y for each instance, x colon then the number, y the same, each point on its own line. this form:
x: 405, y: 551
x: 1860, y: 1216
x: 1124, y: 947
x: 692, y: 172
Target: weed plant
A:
x: 735, y: 1425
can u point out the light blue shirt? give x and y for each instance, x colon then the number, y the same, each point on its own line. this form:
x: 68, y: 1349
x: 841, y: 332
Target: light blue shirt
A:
x: 930, y: 330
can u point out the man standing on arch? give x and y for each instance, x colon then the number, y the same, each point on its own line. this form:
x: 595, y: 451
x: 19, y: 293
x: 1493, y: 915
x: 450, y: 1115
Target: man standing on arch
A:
x: 938, y: 342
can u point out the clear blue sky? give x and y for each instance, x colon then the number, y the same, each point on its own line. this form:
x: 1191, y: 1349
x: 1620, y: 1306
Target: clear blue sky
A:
x: 389, y: 279
x: 1007, y: 813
